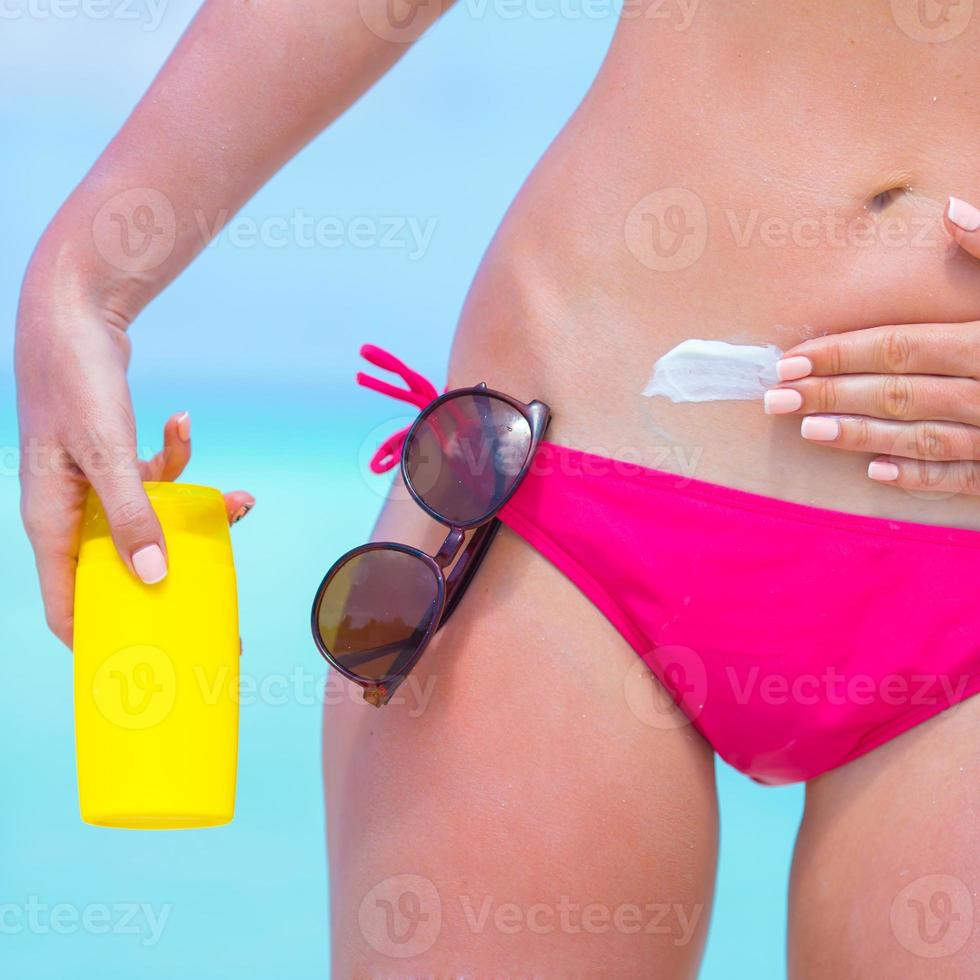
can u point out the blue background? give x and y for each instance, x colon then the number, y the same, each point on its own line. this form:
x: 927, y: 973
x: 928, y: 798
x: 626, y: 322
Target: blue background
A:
x: 260, y: 344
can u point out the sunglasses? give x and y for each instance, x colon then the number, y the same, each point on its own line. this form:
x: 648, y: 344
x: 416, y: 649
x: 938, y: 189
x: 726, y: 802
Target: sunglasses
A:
x: 380, y: 604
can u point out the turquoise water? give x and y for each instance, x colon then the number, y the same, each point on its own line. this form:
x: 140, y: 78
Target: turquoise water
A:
x: 259, y: 342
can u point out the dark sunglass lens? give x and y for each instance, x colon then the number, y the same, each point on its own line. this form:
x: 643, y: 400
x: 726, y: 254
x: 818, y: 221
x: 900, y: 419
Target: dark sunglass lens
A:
x: 375, y: 611
x: 466, y: 455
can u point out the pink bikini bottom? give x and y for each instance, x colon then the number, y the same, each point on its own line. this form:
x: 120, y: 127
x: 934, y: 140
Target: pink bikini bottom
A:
x: 793, y: 638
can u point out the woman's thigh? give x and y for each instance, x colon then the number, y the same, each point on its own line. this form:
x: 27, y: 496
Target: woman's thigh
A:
x: 528, y: 805
x: 887, y: 865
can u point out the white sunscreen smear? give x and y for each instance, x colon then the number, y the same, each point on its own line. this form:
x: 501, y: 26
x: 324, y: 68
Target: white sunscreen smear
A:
x: 711, y: 371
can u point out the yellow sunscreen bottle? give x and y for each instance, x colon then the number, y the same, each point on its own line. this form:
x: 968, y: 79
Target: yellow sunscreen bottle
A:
x: 156, y: 670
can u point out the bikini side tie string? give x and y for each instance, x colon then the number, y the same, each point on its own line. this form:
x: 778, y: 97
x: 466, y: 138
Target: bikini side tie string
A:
x: 420, y: 392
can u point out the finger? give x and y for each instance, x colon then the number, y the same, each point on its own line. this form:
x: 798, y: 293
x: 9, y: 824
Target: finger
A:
x: 950, y: 349
x: 52, y: 498
x: 109, y: 462
x: 238, y: 503
x: 951, y: 478
x: 56, y: 573
x: 941, y: 441
x: 963, y: 223
x: 882, y: 396
x: 170, y: 462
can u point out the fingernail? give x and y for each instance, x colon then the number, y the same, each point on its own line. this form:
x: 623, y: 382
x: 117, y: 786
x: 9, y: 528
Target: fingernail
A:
x: 241, y: 512
x: 963, y: 215
x: 792, y: 368
x: 819, y: 429
x: 882, y: 470
x: 150, y: 564
x: 184, y: 426
x: 778, y: 401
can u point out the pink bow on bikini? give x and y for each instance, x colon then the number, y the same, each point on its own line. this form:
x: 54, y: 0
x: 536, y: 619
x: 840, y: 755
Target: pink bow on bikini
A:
x: 420, y: 392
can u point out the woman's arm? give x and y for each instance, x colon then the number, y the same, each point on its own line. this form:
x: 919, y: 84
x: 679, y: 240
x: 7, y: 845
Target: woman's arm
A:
x: 248, y: 85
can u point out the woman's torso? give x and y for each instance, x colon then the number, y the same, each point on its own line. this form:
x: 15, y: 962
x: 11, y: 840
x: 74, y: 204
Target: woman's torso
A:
x: 767, y: 173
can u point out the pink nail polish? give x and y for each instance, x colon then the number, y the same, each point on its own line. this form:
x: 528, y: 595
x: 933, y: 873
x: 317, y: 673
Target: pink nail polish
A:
x: 242, y: 511
x: 184, y: 426
x: 793, y: 368
x: 778, y: 401
x: 819, y: 428
x: 882, y: 470
x: 963, y: 215
x: 150, y: 564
